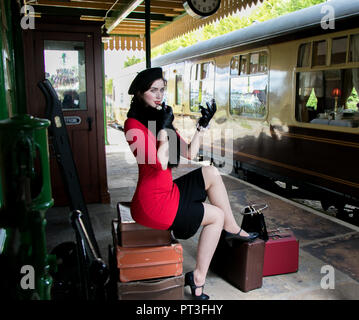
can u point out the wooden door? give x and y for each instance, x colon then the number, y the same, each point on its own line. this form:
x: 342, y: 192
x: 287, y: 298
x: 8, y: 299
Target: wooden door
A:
x: 67, y: 60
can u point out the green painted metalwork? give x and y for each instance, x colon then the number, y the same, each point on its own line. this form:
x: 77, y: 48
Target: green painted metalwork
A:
x: 25, y: 177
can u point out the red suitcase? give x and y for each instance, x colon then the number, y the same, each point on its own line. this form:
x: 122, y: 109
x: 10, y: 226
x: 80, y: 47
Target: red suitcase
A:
x: 281, y: 253
x: 131, y: 234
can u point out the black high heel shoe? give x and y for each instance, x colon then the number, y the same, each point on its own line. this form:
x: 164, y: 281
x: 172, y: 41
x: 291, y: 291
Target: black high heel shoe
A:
x: 189, y: 281
x: 228, y: 236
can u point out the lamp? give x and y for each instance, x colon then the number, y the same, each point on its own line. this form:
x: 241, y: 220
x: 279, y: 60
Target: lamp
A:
x: 336, y: 93
x: 105, y: 37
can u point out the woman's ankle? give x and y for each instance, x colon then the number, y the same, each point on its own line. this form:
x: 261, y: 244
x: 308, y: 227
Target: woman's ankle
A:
x: 232, y: 228
x: 199, y: 279
x: 237, y: 230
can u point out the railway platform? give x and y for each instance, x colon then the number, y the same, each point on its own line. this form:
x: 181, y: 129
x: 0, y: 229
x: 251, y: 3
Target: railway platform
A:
x: 323, y: 240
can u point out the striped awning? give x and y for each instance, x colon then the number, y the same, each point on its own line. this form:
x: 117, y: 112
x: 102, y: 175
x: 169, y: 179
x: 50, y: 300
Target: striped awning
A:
x: 182, y: 25
x: 125, y: 19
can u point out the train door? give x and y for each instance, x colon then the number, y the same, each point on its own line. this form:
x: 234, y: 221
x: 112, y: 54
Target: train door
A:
x: 67, y: 60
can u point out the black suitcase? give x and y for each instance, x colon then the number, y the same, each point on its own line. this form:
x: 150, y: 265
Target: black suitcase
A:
x: 240, y: 263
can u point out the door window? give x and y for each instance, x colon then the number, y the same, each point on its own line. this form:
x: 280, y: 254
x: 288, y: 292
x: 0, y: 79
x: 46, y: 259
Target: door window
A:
x: 66, y: 70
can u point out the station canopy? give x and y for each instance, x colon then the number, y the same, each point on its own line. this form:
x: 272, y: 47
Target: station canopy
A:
x: 125, y: 19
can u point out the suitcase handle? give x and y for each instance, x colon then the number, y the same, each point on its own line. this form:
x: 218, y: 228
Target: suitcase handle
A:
x: 251, y: 209
x: 280, y: 233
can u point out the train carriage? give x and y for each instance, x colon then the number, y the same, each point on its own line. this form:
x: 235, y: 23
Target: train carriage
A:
x: 287, y: 93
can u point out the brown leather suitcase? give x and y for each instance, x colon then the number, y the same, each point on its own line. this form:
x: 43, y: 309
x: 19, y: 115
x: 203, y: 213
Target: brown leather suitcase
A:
x: 240, y: 263
x: 131, y: 234
x: 147, y: 262
x: 170, y: 288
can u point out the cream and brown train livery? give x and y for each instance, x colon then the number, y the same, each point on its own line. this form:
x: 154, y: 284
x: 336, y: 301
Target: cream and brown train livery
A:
x: 287, y: 98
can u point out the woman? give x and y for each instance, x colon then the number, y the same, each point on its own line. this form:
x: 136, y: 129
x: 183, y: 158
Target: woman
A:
x: 162, y: 203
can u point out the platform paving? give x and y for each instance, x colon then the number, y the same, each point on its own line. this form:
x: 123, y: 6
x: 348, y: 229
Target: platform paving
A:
x: 324, y: 240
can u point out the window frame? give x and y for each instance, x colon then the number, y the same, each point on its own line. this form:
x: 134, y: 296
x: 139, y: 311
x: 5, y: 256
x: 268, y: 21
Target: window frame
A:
x: 327, y: 67
x: 247, y: 75
x: 198, y: 79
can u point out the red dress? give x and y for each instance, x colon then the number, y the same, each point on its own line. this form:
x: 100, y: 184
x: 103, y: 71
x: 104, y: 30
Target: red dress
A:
x: 156, y: 199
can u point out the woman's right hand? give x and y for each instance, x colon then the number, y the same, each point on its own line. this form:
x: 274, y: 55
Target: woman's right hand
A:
x: 167, y: 116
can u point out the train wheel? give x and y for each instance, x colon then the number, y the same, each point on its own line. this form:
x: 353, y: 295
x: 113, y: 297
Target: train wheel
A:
x: 325, y: 203
x: 337, y: 203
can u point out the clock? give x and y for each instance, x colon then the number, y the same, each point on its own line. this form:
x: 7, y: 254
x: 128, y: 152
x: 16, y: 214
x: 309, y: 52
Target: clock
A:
x: 201, y: 8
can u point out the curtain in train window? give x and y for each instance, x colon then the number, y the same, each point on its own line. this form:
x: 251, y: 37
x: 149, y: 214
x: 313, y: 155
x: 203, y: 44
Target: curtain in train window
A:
x: 179, y: 89
x: 354, y: 48
x: 207, y: 82
x: 339, y: 50
x: 235, y: 65
x: 304, y: 55
x: 166, y: 76
x: 354, y: 57
x: 319, y: 55
x: 194, y: 89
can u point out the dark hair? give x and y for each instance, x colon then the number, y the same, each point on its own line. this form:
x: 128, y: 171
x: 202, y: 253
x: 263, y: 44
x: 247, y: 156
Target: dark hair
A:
x: 146, y: 86
x: 143, y: 113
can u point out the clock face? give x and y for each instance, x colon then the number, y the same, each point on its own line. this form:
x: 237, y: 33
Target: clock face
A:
x: 201, y: 8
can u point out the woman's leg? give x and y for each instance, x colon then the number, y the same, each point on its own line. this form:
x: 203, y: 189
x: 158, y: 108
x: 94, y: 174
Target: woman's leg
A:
x: 212, y: 227
x: 217, y: 195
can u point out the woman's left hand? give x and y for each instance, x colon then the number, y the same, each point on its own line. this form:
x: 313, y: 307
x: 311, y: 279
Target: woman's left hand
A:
x: 207, y: 114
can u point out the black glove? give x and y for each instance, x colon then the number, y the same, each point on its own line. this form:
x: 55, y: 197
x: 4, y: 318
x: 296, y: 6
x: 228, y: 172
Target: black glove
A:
x: 167, y: 116
x: 207, y: 114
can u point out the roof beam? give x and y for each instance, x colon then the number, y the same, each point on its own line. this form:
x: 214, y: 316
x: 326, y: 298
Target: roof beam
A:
x: 78, y: 5
x: 122, y: 14
x: 63, y: 11
x: 141, y: 16
x: 166, y: 12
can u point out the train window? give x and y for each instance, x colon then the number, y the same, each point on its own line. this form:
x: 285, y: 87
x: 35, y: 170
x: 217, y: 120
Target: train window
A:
x: 179, y: 89
x: 201, y: 85
x: 304, y: 55
x: 248, y: 91
x: 354, y: 48
x: 243, y: 68
x: 319, y: 53
x: 263, y: 63
x: 339, y: 50
x: 235, y: 65
x: 253, y: 63
x: 328, y: 97
x: 194, y: 72
x: 204, y: 70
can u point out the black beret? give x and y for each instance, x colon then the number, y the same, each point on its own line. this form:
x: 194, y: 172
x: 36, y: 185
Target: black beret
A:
x: 144, y: 78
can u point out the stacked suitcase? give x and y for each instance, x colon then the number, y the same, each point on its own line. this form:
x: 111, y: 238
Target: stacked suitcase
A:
x: 146, y: 263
